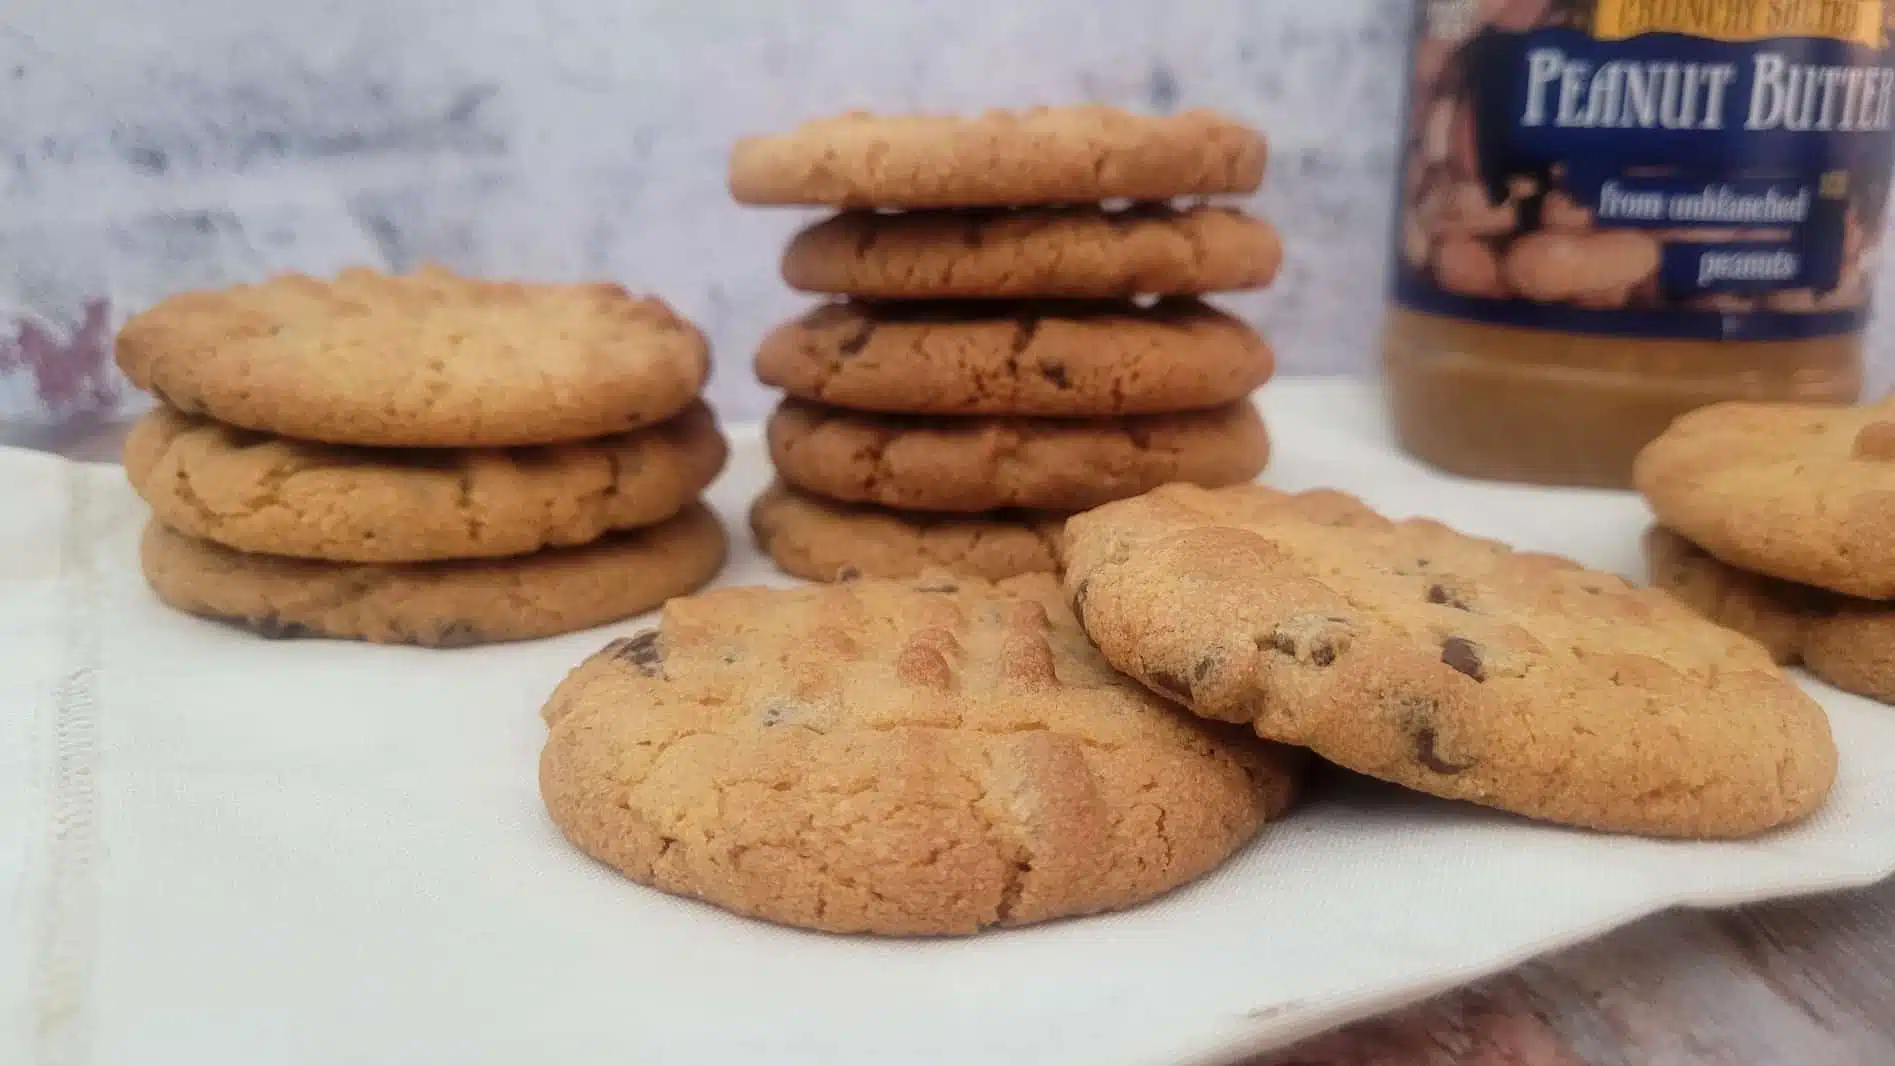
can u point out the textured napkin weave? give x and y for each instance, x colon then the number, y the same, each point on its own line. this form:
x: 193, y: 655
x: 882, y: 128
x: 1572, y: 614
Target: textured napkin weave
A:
x: 219, y: 850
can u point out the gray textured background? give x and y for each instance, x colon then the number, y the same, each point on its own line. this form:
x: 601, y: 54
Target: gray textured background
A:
x: 146, y: 148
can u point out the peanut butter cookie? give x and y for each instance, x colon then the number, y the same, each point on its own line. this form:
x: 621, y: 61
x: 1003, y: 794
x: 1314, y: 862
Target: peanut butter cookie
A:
x: 822, y: 540
x: 985, y: 464
x: 1056, y: 155
x: 1079, y: 253
x: 1847, y: 642
x: 1801, y: 492
x: 1448, y: 663
x: 1040, y: 358
x: 267, y: 494
x: 422, y: 360
x: 904, y: 759
x: 440, y: 604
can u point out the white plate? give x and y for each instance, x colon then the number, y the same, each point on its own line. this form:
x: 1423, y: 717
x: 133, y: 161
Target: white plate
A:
x: 219, y: 850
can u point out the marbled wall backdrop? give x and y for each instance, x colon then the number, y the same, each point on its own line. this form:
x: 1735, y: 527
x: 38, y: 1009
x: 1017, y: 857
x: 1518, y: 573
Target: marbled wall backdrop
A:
x: 147, y: 148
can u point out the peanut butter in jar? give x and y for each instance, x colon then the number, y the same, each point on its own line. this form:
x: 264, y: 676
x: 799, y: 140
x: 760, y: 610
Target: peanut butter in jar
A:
x: 1613, y: 211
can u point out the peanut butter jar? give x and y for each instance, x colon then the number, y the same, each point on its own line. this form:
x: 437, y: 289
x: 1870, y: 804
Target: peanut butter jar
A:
x: 1613, y: 211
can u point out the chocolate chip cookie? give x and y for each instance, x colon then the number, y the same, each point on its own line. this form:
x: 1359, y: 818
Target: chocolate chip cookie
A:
x: 1805, y: 493
x: 1447, y: 663
x: 258, y: 493
x: 422, y: 360
x: 1056, y: 359
x: 984, y: 464
x: 1079, y: 253
x: 823, y: 540
x: 440, y: 604
x: 915, y: 758
x: 1846, y: 641
x: 1061, y: 155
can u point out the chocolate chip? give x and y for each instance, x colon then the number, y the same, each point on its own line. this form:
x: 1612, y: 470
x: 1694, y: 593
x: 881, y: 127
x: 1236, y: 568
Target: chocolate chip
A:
x: 1417, y: 718
x: 1426, y: 755
x: 457, y: 634
x: 1056, y: 374
x: 855, y: 342
x: 1318, y: 653
x: 1024, y: 329
x: 1079, y: 601
x: 641, y: 651
x: 1440, y: 594
x: 845, y: 574
x: 1310, y: 639
x: 270, y: 627
x: 1463, y: 655
x: 1205, y: 668
x: 1169, y: 683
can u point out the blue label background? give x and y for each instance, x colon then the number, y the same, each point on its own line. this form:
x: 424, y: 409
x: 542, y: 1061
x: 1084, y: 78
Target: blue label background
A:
x: 1498, y: 70
x: 1688, y: 161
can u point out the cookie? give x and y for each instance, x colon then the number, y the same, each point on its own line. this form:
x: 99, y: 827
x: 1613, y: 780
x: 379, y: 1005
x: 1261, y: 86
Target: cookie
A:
x: 1079, y: 253
x: 823, y: 540
x: 421, y: 360
x: 443, y: 604
x: 1847, y: 642
x: 1057, y: 155
x: 267, y: 494
x: 1042, y: 358
x: 1449, y: 664
x: 986, y: 464
x: 1805, y: 493
x: 913, y: 758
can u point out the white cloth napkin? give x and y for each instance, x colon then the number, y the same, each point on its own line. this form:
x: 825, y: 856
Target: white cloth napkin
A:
x: 219, y: 851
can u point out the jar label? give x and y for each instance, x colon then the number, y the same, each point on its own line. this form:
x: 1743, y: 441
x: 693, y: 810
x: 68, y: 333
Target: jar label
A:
x: 1651, y: 168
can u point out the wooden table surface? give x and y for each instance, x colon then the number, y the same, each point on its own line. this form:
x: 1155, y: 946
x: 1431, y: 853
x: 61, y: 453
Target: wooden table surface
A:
x: 1799, y: 983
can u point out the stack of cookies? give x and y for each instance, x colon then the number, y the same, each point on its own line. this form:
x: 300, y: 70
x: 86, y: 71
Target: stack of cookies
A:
x: 1020, y: 335
x: 1778, y: 520
x: 421, y: 459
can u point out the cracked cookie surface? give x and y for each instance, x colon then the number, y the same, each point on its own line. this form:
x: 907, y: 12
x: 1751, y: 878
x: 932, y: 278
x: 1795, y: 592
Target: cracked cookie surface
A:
x: 1076, y: 253
x: 420, y: 360
x: 900, y: 758
x: 821, y: 540
x: 1047, y: 155
x: 1805, y: 493
x: 1043, y: 358
x: 1846, y: 641
x: 990, y: 463
x: 258, y: 493
x: 1447, y: 663
x: 440, y: 604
